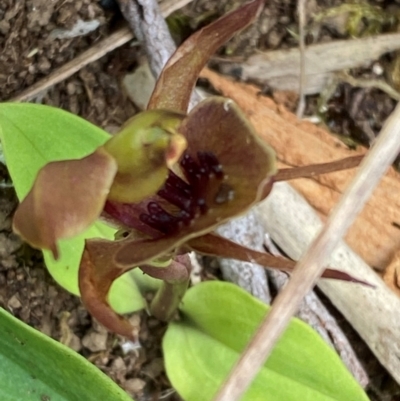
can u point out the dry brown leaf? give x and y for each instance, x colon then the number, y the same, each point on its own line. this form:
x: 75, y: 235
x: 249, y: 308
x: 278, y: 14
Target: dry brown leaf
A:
x: 373, y: 236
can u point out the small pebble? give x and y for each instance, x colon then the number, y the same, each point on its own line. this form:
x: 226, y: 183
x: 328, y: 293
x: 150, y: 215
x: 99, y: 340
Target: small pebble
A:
x: 44, y: 64
x: 4, y: 27
x: 134, y: 386
x: 71, y: 88
x: 14, y: 302
x: 95, y: 342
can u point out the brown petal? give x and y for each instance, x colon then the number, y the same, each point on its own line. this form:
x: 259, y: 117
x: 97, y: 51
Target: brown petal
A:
x: 66, y: 198
x: 128, y: 253
x: 176, y: 82
x: 96, y: 274
x: 217, y: 125
x: 215, y: 245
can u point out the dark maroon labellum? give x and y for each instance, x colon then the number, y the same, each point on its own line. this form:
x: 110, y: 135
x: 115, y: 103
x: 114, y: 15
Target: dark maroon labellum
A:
x: 203, y: 183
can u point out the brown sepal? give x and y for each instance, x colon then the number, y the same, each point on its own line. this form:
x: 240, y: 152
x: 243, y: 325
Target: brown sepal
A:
x: 96, y: 274
x: 177, y: 80
x: 66, y: 198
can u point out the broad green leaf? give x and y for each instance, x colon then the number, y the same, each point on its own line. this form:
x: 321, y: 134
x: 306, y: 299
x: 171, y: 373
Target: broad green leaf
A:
x: 34, y: 367
x: 33, y: 135
x: 218, y: 321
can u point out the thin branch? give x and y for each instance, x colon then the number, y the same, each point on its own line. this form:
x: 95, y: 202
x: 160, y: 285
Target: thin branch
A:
x: 147, y: 22
x: 309, y: 269
x: 97, y: 51
x: 301, y: 5
x: 369, y: 83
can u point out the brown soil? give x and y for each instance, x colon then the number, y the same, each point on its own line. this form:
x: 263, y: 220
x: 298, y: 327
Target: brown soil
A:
x: 28, y: 53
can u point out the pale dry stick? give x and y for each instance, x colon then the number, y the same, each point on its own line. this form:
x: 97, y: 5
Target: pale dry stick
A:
x: 150, y: 28
x: 372, y: 312
x: 279, y: 69
x: 115, y: 40
x: 97, y: 51
x: 301, y: 5
x: 310, y: 267
x: 147, y: 21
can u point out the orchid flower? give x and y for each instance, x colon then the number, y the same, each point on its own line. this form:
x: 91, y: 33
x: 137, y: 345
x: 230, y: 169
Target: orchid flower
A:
x: 167, y: 180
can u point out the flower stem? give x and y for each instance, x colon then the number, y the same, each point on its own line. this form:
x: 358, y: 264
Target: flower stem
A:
x: 167, y: 299
x: 175, y: 283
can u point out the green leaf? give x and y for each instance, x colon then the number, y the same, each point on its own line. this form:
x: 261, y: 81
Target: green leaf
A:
x: 218, y: 321
x: 32, y: 135
x: 34, y: 367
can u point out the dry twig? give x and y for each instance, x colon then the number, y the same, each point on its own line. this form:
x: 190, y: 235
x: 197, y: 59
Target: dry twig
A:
x: 301, y: 5
x: 368, y: 83
x: 150, y: 28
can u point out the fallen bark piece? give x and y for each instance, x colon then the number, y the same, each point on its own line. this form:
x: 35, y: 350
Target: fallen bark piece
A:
x: 374, y: 235
x: 280, y: 69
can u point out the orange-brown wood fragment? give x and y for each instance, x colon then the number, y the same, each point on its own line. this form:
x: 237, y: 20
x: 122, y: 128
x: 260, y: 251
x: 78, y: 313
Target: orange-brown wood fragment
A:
x: 391, y: 274
x: 373, y: 236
